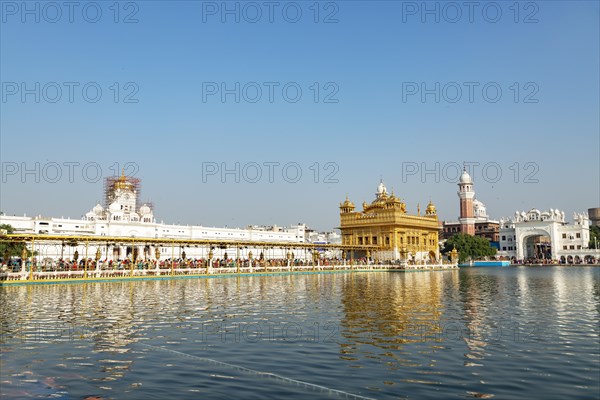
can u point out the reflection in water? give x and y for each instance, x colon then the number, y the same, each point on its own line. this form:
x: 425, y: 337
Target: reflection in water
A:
x: 389, y: 311
x: 475, y: 292
x: 476, y: 332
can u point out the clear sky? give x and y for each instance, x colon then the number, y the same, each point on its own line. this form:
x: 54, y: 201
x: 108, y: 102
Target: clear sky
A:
x: 388, y: 89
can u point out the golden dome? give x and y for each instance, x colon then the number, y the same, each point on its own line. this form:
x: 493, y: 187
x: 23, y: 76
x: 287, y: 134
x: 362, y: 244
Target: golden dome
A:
x: 378, y: 203
x: 347, y: 203
x: 122, y: 182
x: 430, y: 209
x: 393, y: 199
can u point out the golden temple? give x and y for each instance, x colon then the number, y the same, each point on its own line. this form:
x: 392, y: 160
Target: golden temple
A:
x: 386, y: 224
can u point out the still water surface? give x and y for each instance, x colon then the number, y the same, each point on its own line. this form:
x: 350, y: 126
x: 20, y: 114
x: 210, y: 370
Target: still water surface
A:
x: 474, y: 333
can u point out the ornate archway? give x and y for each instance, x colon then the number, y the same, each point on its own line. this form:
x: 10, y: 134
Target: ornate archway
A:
x: 535, y: 243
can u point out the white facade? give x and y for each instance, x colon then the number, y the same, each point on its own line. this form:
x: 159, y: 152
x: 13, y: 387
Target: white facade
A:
x: 122, y: 219
x: 546, y: 235
x: 138, y: 229
x: 324, y: 237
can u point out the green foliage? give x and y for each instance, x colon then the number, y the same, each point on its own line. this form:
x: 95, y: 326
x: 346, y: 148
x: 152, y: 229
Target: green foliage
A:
x: 469, y: 247
x: 12, y: 249
x: 594, y: 234
x: 8, y: 228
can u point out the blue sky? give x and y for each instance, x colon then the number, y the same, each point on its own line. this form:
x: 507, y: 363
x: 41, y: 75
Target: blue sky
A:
x: 367, y: 121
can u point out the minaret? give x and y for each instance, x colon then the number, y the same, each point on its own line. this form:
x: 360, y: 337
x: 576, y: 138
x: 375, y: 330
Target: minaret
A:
x: 466, y: 196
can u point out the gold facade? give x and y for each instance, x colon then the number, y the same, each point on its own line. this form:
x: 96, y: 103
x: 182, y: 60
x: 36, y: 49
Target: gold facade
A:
x: 386, y: 224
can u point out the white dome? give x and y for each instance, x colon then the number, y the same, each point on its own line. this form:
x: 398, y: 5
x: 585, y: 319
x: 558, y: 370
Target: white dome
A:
x: 465, y: 177
x: 144, y: 210
x: 114, y: 207
x: 98, y: 209
x: 479, y: 209
x: 381, y: 188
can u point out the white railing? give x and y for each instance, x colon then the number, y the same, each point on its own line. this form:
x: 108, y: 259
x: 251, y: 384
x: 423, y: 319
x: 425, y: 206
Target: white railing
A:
x: 124, y: 273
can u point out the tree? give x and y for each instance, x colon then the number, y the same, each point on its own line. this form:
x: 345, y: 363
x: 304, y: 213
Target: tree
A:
x: 594, y: 237
x: 11, y: 249
x: 469, y: 247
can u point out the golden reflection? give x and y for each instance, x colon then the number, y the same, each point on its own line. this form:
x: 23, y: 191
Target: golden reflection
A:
x: 387, y: 311
x: 391, y: 311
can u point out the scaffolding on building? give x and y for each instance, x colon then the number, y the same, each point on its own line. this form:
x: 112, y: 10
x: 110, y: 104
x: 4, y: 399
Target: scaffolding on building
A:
x: 112, y: 183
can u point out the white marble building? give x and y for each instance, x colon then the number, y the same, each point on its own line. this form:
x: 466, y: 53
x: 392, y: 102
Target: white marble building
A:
x: 123, y: 218
x: 546, y: 236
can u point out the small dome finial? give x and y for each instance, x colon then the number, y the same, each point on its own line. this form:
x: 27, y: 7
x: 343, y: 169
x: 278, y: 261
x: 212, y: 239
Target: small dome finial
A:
x: 381, y: 189
x: 465, y: 177
x: 430, y: 208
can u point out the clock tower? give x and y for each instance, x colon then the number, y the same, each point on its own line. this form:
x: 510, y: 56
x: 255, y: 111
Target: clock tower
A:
x: 466, y: 194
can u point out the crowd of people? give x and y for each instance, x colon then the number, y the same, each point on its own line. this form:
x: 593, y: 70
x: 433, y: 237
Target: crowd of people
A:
x: 16, y: 264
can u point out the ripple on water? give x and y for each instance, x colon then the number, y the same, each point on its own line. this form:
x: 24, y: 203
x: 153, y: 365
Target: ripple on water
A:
x: 478, y: 333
